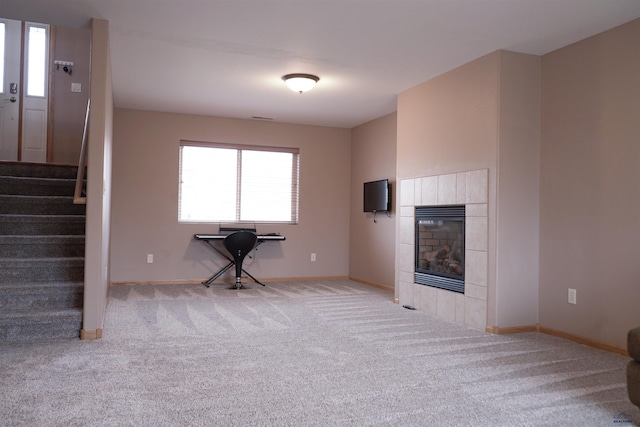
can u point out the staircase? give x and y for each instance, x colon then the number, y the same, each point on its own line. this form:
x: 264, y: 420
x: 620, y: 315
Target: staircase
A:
x: 41, y: 253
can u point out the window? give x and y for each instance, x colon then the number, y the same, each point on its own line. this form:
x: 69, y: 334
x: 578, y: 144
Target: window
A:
x: 2, y: 37
x: 237, y: 183
x: 36, y: 60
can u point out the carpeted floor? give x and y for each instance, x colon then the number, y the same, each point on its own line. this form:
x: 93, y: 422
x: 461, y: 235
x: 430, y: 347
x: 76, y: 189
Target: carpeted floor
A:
x: 298, y: 354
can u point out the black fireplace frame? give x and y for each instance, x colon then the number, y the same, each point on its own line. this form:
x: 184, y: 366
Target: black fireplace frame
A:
x: 435, y: 279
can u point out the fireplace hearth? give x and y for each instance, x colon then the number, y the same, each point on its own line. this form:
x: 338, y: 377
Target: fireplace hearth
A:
x: 439, y: 248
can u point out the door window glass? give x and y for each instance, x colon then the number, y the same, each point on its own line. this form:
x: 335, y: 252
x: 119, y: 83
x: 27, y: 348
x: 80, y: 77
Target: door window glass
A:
x: 2, y: 37
x: 36, y: 60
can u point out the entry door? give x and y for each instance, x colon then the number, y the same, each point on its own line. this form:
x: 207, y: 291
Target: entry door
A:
x: 24, y: 109
x: 10, y: 90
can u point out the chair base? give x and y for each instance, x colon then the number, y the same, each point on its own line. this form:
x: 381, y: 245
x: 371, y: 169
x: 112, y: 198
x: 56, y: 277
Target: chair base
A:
x: 238, y: 284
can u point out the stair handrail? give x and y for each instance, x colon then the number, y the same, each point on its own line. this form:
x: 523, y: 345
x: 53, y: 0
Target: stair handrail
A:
x: 78, y: 199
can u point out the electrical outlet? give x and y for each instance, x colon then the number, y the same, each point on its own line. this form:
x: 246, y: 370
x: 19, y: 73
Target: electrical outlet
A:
x: 149, y: 258
x: 572, y: 296
x: 313, y: 257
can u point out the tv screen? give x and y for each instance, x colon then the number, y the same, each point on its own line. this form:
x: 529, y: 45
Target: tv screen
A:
x: 377, y: 196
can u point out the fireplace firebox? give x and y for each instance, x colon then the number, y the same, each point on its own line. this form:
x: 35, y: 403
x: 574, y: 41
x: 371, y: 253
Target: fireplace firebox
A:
x: 439, y: 256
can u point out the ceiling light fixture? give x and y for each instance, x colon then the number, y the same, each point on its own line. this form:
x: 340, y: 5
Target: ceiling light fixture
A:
x: 300, y: 82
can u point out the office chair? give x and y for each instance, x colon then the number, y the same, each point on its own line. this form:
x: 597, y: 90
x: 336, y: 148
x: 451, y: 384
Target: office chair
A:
x: 239, y: 244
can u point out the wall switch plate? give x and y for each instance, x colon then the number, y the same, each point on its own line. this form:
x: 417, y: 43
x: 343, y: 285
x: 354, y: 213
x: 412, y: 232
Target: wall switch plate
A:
x: 572, y: 296
x: 150, y: 259
x: 313, y: 257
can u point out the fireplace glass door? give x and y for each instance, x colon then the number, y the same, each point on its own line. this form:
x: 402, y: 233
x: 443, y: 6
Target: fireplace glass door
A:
x: 439, y: 258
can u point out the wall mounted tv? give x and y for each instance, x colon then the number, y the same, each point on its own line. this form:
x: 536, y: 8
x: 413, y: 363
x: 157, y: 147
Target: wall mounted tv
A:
x: 377, y: 196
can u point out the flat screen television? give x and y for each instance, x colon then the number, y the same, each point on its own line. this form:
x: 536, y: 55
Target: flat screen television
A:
x: 377, y: 196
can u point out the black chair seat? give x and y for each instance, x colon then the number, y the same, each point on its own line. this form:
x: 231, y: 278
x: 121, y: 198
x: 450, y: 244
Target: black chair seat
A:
x: 239, y: 244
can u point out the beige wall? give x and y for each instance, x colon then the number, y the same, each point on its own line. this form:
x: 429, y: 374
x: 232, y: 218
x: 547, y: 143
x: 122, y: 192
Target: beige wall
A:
x: 448, y: 125
x: 518, y: 194
x: 372, y: 245
x: 559, y: 136
x: 485, y: 115
x: 145, y: 199
x: 68, y: 108
x: 590, y: 191
x: 99, y: 171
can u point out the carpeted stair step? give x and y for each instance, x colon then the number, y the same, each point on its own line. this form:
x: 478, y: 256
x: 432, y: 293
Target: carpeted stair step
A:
x: 18, y: 185
x: 12, y: 224
x: 41, y: 246
x: 40, y: 295
x: 39, y: 205
x: 38, y: 170
x: 41, y: 269
x: 41, y: 252
x: 29, y: 325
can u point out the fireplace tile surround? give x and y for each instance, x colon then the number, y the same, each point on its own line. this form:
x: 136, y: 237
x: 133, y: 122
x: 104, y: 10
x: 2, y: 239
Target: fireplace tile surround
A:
x: 463, y: 188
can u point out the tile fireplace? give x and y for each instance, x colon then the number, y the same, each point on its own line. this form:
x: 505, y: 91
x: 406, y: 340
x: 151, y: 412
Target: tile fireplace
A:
x: 460, y: 256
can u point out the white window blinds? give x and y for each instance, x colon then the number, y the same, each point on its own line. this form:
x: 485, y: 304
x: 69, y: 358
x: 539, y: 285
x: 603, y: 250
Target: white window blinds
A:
x: 238, y: 183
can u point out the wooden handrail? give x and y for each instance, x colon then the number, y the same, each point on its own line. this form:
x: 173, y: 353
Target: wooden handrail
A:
x: 78, y: 199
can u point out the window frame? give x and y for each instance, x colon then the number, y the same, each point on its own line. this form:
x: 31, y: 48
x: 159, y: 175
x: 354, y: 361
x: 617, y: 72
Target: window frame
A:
x: 294, y: 189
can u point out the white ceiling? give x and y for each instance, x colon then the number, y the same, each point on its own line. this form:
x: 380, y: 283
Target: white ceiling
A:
x: 226, y: 58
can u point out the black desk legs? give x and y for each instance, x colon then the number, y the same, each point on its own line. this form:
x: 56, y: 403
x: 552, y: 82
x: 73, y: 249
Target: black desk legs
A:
x: 237, y: 285
x: 210, y: 280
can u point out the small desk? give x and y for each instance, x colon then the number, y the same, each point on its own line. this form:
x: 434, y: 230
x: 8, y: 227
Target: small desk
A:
x: 209, y: 239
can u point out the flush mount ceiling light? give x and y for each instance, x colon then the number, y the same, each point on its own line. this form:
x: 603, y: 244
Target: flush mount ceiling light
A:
x: 300, y: 82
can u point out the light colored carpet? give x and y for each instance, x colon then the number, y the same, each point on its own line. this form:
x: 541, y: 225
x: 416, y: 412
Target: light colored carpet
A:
x: 302, y: 353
